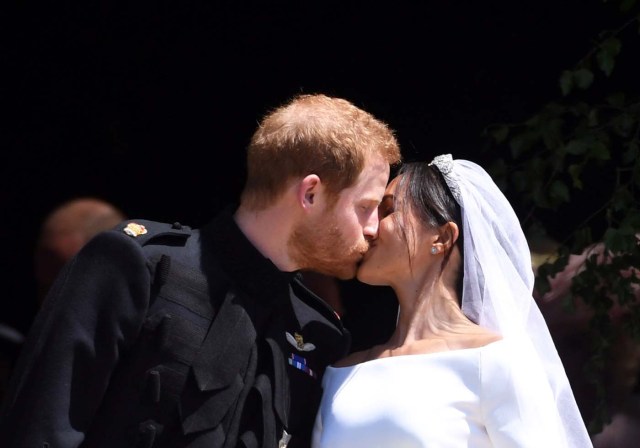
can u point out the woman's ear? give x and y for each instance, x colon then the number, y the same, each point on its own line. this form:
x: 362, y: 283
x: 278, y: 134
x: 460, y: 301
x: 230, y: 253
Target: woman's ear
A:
x: 446, y: 238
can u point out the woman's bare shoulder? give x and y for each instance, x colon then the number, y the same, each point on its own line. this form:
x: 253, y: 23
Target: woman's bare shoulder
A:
x: 484, y: 337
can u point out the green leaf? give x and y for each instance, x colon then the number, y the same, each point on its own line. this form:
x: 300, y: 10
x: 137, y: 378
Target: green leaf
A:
x: 576, y: 147
x: 615, y: 240
x: 559, y: 191
x: 606, y: 62
x: 500, y: 133
x: 534, y: 121
x: 580, y: 108
x: 628, y: 229
x: 612, y: 45
x: 631, y: 223
x: 616, y: 99
x: 566, y: 82
x: 521, y: 143
x: 568, y: 303
x: 557, y: 159
x: 583, y: 78
x: 575, y: 171
x: 623, y: 125
x: 627, y: 5
x: 607, y: 53
x: 539, y: 196
x: 554, y: 108
x: 552, y: 133
x: 599, y: 151
x: 621, y: 199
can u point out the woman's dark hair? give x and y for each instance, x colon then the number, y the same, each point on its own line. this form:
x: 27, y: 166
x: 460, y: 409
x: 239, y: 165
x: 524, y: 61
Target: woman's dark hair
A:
x: 422, y: 189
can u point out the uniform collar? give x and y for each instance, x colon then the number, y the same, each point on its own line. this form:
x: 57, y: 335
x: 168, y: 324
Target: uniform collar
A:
x: 249, y: 270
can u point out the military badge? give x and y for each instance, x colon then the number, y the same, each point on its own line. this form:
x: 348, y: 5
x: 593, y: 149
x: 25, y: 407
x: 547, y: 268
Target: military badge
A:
x: 134, y: 229
x: 298, y: 342
x: 300, y: 363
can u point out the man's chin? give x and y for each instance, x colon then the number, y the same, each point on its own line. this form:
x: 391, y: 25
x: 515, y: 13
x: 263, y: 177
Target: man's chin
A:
x: 346, y: 272
x: 339, y: 268
x: 349, y: 276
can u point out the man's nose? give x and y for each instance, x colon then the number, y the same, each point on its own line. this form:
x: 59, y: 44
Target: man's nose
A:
x: 371, y: 226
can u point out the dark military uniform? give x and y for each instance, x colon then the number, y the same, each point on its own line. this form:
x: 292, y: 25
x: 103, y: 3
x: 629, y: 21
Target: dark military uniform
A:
x: 172, y: 338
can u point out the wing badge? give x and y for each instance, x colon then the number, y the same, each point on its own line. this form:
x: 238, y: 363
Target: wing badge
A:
x: 298, y: 342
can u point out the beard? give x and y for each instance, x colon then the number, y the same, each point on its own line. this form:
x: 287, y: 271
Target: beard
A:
x: 322, y: 247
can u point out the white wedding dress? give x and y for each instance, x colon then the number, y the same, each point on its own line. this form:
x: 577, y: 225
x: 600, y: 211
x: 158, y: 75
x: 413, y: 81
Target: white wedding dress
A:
x: 492, y: 396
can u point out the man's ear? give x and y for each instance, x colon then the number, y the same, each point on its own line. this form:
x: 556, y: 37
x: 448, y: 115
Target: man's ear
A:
x: 308, y: 190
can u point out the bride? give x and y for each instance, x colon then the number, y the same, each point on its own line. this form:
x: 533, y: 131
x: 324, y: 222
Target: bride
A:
x: 471, y: 362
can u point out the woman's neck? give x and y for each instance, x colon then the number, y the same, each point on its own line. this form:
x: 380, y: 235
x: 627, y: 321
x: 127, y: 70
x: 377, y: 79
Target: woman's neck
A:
x: 433, y: 321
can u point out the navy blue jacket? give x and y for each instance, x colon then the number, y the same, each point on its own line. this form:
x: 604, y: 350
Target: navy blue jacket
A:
x: 172, y: 338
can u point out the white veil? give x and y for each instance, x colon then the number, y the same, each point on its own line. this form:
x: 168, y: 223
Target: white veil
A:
x: 499, y: 279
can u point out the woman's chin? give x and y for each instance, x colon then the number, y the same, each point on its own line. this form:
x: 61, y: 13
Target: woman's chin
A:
x: 366, y: 276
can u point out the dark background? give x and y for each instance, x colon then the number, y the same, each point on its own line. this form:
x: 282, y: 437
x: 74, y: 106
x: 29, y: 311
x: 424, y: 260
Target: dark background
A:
x: 149, y: 105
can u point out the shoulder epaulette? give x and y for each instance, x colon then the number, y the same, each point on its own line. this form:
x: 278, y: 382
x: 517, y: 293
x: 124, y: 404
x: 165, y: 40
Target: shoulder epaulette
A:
x: 144, y: 231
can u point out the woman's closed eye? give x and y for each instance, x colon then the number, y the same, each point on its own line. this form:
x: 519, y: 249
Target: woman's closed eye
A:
x: 386, y: 207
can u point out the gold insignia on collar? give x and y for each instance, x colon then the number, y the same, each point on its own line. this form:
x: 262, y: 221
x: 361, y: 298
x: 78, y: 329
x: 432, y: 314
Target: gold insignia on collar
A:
x: 133, y: 229
x: 298, y: 342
